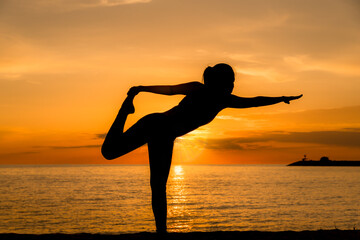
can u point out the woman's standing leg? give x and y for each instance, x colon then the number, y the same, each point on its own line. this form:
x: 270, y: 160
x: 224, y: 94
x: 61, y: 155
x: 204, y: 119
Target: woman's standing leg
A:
x: 160, y: 154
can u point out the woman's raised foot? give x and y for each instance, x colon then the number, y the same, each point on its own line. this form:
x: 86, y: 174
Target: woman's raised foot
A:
x: 128, y: 105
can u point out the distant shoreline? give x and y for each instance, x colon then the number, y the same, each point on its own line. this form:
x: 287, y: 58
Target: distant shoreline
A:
x: 226, y: 235
x: 312, y: 163
x: 325, y: 162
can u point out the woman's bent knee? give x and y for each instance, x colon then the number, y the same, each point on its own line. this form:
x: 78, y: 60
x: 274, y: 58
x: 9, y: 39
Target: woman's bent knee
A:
x: 108, y: 152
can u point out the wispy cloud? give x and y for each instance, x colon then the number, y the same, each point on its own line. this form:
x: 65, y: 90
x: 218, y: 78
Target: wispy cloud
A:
x: 100, y: 135
x: 227, y: 117
x: 69, y: 5
x: 118, y: 2
x: 17, y: 153
x: 76, y: 147
x: 261, y: 66
x: 306, y: 63
x: 252, y: 25
x: 343, y: 138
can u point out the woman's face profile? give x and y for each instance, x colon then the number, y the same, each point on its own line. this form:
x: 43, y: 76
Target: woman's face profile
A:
x: 228, y: 87
x: 222, y: 87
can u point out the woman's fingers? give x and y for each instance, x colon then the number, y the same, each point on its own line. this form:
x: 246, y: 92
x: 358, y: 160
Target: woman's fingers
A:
x: 133, y: 91
x: 297, y: 97
x: 288, y: 99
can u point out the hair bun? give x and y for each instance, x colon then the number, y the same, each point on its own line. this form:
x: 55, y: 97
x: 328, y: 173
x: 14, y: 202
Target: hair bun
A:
x: 220, y: 72
x: 208, y: 72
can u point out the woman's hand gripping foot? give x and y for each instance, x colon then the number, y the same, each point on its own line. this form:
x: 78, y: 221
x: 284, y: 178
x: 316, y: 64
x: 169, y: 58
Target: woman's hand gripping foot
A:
x: 128, y: 104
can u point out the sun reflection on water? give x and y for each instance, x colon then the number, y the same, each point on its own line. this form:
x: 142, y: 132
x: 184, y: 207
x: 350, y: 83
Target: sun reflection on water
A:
x: 178, y: 173
x: 178, y: 212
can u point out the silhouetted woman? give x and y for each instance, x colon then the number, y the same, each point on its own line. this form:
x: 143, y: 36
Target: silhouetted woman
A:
x: 202, y: 102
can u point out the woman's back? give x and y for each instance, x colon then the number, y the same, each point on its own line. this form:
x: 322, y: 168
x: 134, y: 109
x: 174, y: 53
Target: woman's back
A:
x: 196, y: 109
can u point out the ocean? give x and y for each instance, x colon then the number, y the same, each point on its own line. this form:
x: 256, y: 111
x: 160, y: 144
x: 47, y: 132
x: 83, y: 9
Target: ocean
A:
x: 115, y: 199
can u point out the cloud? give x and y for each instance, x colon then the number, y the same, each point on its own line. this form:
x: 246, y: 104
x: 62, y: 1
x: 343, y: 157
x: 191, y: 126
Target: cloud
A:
x: 93, y: 3
x: 17, y: 153
x: 339, y: 138
x: 303, y: 63
x: 100, y: 135
x: 231, y: 144
x: 67, y: 147
x: 227, y: 117
x: 70, y: 5
x: 333, y: 138
x: 76, y: 147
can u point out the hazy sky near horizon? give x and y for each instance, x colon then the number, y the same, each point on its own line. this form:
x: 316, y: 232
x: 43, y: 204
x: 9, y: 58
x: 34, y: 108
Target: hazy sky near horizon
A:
x: 65, y: 68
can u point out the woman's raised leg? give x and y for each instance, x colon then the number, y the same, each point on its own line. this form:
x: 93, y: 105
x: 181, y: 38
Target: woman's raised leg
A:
x: 118, y: 143
x: 160, y: 154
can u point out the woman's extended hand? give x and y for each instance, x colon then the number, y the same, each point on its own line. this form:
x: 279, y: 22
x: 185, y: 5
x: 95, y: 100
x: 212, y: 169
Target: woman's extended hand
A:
x: 134, y: 91
x: 290, y: 98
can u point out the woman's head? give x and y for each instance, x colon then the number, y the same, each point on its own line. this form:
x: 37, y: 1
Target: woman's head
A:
x: 220, y: 77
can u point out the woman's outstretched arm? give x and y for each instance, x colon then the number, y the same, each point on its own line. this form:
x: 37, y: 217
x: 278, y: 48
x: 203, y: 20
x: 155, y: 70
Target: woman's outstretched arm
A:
x: 184, y: 88
x: 240, y: 102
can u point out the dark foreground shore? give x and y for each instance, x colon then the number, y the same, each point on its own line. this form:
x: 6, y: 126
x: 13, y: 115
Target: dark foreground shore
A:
x: 250, y: 235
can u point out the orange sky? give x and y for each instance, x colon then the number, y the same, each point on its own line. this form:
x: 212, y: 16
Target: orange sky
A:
x: 65, y: 68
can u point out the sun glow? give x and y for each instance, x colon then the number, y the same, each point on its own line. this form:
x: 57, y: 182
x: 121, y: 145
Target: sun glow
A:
x: 65, y: 69
x: 179, y: 172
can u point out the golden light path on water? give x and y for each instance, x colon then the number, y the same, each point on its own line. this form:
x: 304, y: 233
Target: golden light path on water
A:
x: 178, y: 215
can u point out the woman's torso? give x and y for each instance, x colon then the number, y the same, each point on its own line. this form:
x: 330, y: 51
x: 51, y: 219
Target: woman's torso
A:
x: 195, y: 109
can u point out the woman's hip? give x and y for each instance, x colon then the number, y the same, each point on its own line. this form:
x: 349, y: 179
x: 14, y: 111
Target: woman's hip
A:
x: 154, y: 126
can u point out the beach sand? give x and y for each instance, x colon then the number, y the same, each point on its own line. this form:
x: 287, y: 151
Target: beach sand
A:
x: 248, y: 235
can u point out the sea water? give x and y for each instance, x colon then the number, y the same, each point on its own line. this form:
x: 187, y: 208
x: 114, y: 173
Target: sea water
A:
x: 116, y: 198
